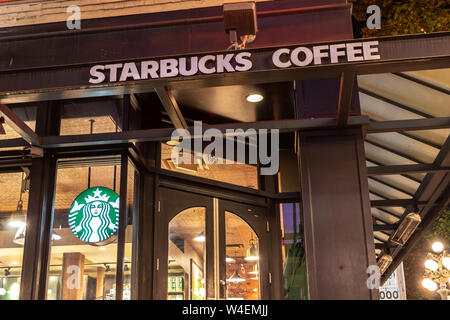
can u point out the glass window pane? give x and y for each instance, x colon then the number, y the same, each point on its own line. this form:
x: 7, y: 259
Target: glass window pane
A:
x: 128, y: 258
x: 84, y: 248
x: 85, y: 117
x: 13, y: 213
x: 244, y: 175
x: 242, y: 259
x: 187, y: 257
x: 293, y: 252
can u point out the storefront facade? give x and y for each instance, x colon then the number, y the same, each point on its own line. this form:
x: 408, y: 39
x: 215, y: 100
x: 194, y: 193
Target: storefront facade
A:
x: 89, y: 116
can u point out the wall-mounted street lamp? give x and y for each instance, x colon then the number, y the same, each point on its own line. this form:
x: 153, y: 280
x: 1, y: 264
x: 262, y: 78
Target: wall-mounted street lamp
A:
x: 437, y: 270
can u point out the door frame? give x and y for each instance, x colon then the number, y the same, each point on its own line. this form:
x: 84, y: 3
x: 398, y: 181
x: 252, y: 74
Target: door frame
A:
x: 200, y: 195
x: 257, y: 220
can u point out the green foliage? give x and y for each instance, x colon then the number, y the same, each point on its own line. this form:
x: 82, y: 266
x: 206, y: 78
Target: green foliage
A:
x: 405, y: 16
x: 414, y: 262
x: 440, y: 230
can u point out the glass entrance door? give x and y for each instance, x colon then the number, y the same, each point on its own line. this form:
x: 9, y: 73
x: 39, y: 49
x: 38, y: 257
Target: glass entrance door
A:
x: 243, y: 251
x: 209, y: 248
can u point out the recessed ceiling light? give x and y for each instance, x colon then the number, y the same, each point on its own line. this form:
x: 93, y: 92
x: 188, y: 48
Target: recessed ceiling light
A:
x: 254, y: 97
x: 172, y: 143
x: 102, y: 248
x: 14, y: 263
x: 228, y: 259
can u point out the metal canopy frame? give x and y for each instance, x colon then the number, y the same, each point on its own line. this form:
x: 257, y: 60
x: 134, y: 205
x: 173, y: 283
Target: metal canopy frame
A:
x: 405, y: 53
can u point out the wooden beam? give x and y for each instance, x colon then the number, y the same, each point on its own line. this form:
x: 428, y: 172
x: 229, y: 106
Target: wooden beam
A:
x: 402, y: 169
x: 389, y: 185
x: 395, y: 203
x: 409, y: 125
x: 19, y: 126
x: 394, y: 103
x: 396, y: 152
x: 171, y: 106
x: 345, y: 96
x: 422, y: 82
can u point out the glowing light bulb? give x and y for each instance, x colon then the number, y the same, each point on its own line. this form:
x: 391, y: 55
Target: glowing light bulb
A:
x: 437, y: 246
x: 429, y: 284
x: 431, y: 265
x: 255, y: 97
x: 446, y: 262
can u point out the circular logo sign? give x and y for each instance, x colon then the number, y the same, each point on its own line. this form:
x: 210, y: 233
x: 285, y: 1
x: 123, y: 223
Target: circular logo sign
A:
x: 94, y: 215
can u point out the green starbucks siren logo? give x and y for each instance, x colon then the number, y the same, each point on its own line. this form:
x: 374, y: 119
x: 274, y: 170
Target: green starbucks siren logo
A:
x: 94, y: 215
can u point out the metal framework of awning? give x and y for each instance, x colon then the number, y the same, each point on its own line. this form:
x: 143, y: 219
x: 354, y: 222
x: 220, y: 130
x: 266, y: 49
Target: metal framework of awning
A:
x: 405, y: 115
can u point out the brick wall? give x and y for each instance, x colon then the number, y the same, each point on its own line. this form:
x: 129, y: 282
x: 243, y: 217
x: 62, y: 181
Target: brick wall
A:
x: 19, y: 13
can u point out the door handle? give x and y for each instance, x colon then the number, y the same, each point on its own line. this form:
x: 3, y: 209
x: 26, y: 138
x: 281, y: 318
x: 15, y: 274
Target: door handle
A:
x: 222, y: 289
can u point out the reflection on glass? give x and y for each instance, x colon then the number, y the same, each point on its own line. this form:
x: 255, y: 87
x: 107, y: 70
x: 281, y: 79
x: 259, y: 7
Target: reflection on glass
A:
x: 235, y: 173
x: 293, y: 252
x: 186, y: 276
x: 86, y: 117
x: 127, y: 263
x: 13, y: 212
x: 80, y: 270
x: 242, y: 262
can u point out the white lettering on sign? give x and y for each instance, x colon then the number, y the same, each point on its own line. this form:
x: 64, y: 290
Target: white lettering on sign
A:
x: 282, y: 58
x: 167, y: 68
x: 303, y: 56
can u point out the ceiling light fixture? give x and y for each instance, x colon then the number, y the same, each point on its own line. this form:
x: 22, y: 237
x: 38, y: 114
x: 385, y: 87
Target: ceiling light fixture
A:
x: 16, y: 223
x: 437, y: 246
x: 252, y: 253
x: 56, y: 237
x: 200, y: 237
x: 172, y: 143
x: 254, y: 97
x: 406, y: 228
x: 229, y: 260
